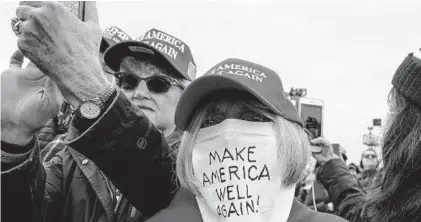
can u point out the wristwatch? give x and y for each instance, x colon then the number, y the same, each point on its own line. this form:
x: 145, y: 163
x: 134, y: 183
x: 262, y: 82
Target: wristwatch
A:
x: 91, y: 108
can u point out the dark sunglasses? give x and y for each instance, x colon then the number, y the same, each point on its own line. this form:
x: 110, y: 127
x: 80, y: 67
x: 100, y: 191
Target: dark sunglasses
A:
x: 370, y: 156
x: 155, y: 84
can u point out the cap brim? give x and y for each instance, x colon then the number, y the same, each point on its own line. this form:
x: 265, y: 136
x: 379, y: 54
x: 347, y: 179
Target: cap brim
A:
x: 114, y: 54
x: 207, y: 85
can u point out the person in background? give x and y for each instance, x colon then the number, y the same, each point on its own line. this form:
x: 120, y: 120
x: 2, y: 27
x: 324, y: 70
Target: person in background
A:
x: 113, y: 129
x: 397, y: 196
x: 51, y: 137
x: 354, y: 170
x: 370, y: 175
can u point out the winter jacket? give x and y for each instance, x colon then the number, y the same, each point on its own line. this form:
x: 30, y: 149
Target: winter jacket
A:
x: 343, y: 188
x: 123, y: 143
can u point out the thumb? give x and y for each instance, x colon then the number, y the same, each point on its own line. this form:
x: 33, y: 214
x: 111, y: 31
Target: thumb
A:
x: 31, y: 65
x: 321, y: 141
x: 91, y: 13
x: 16, y: 60
x: 52, y: 96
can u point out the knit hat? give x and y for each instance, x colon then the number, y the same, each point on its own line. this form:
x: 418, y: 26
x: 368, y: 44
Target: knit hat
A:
x: 407, y: 79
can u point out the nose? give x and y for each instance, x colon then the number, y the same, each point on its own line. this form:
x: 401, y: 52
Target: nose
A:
x: 141, y: 91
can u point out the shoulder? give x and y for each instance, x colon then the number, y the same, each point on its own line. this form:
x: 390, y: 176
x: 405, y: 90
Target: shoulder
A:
x: 301, y: 213
x: 322, y: 217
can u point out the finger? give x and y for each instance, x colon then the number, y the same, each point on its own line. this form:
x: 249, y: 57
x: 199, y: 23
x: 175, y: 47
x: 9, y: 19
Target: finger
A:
x: 320, y: 141
x: 316, y: 149
x: 31, y: 65
x: 36, y: 4
x: 24, y: 12
x: 13, y: 21
x: 16, y: 60
x: 53, y: 97
x: 91, y: 13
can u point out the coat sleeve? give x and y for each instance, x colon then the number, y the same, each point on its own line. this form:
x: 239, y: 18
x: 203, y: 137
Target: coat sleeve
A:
x: 31, y: 192
x: 132, y: 153
x: 342, y: 187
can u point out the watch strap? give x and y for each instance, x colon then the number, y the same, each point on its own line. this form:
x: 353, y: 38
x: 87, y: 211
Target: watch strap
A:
x: 109, y: 91
x: 81, y: 123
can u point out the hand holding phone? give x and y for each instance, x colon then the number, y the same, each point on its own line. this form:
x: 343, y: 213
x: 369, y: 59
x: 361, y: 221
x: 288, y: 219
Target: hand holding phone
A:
x: 325, y: 152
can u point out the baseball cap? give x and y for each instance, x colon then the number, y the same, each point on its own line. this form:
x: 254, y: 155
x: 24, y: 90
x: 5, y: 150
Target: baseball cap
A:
x: 111, y: 36
x: 158, y: 43
x: 237, y: 74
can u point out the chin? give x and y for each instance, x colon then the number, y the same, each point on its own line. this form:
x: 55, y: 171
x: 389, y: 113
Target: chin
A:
x: 150, y: 114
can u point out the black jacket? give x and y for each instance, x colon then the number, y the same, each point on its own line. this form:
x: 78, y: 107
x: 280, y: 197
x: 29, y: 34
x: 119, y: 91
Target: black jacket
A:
x: 69, y: 188
x: 343, y: 188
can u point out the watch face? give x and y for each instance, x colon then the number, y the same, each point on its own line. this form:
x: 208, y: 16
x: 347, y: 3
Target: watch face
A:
x: 90, y: 110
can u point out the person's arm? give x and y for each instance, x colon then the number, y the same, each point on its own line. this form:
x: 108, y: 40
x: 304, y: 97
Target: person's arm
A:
x: 22, y: 188
x: 342, y: 187
x: 131, y: 152
x: 30, y: 192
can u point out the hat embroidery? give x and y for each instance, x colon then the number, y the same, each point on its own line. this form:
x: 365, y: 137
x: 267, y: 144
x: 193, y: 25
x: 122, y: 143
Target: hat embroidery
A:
x: 115, y: 34
x: 165, y: 43
x: 168, y: 50
x: 241, y: 70
x: 191, y: 70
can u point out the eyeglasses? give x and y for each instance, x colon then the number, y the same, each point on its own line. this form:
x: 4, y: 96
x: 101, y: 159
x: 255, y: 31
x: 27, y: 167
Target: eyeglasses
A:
x: 370, y: 156
x: 155, y: 84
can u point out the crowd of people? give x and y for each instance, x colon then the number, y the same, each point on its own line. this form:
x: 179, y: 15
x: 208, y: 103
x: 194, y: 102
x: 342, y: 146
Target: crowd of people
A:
x: 101, y: 127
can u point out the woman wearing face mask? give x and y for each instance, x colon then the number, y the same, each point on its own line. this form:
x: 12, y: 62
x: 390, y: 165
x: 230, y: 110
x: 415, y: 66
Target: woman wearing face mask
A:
x: 243, y: 149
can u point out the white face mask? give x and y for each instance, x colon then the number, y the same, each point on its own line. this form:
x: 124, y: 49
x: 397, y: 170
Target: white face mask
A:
x: 236, y: 163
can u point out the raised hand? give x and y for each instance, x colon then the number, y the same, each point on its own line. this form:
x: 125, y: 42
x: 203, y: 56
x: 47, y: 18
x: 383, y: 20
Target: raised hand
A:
x: 63, y: 47
x: 28, y: 100
x: 325, y: 151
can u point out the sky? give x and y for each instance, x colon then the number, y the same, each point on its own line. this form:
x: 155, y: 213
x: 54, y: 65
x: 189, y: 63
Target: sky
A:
x: 343, y: 52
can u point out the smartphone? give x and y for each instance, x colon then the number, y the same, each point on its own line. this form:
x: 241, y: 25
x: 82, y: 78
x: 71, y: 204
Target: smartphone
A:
x: 311, y: 112
x: 76, y: 7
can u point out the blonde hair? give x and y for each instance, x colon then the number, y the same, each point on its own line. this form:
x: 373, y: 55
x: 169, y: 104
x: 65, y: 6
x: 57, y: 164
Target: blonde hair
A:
x: 293, y: 144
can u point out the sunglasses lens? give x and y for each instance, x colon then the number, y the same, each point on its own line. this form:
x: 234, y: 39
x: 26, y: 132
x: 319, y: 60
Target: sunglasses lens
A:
x: 128, y: 82
x: 370, y: 156
x: 158, y: 84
